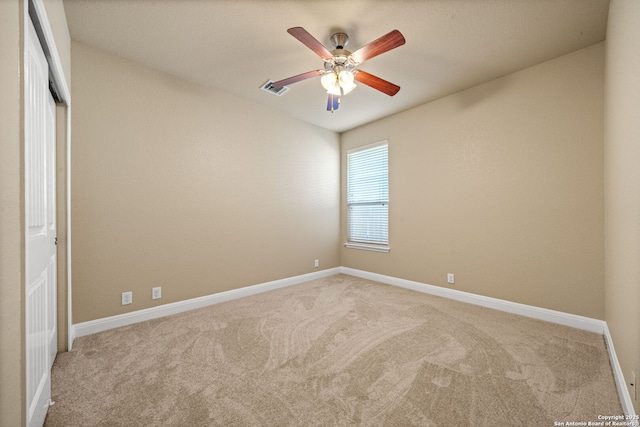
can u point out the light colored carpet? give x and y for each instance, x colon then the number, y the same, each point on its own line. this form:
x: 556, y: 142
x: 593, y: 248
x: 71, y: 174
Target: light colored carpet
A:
x: 337, y: 351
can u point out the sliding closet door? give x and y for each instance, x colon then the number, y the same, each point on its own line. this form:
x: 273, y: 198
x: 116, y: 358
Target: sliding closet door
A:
x: 40, y: 225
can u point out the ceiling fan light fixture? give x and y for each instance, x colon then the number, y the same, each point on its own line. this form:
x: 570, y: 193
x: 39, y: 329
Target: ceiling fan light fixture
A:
x: 338, y: 83
x: 347, y: 87
x: 329, y: 80
x: 345, y: 78
x: 334, y: 90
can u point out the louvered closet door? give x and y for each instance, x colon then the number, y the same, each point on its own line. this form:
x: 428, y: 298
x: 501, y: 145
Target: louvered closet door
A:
x: 40, y: 225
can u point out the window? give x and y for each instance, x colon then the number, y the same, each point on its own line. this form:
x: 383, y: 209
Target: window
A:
x: 368, y: 197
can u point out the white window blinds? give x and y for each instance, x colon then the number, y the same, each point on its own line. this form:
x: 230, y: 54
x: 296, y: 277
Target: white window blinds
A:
x: 368, y: 195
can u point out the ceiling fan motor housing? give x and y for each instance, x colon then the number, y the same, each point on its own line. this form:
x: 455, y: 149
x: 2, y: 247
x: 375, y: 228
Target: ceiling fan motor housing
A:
x: 340, y: 54
x: 339, y: 40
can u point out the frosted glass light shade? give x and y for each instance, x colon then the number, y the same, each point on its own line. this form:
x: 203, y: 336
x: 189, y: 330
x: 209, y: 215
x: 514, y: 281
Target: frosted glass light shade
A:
x: 329, y: 80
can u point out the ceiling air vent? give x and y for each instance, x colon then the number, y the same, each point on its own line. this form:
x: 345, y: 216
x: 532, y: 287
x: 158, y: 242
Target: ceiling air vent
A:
x: 269, y: 87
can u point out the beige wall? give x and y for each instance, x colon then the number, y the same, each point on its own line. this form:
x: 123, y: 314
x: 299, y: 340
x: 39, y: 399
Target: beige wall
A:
x: 193, y: 190
x: 501, y: 185
x: 622, y: 183
x: 11, y: 219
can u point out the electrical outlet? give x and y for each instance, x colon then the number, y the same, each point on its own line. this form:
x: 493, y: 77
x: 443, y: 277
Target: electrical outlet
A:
x: 633, y: 385
x: 316, y: 263
x: 451, y: 278
x: 156, y: 293
x: 127, y: 298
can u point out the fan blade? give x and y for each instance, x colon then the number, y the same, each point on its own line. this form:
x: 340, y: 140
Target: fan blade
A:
x: 333, y: 103
x: 299, y: 77
x: 381, y: 45
x: 376, y: 83
x: 310, y: 41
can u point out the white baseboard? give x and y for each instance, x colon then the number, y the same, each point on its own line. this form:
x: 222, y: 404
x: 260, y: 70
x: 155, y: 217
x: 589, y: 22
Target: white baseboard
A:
x: 71, y: 337
x: 572, y: 320
x: 621, y: 384
x: 106, y: 323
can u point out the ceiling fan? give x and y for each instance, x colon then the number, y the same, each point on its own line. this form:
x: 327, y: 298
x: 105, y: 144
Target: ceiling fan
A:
x: 340, y: 73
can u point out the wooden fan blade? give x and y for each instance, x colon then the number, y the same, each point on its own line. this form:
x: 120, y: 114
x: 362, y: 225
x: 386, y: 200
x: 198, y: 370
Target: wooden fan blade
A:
x: 381, y: 45
x: 333, y: 103
x: 299, y: 77
x: 310, y: 41
x: 376, y: 83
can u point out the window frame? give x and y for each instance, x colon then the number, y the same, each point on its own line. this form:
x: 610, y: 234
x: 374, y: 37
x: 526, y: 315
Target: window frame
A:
x: 362, y: 244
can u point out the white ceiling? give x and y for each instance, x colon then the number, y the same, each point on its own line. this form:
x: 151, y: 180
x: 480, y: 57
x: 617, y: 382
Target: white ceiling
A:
x: 236, y: 45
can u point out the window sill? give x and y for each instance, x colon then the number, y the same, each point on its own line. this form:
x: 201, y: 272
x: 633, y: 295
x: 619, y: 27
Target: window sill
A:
x: 368, y: 247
